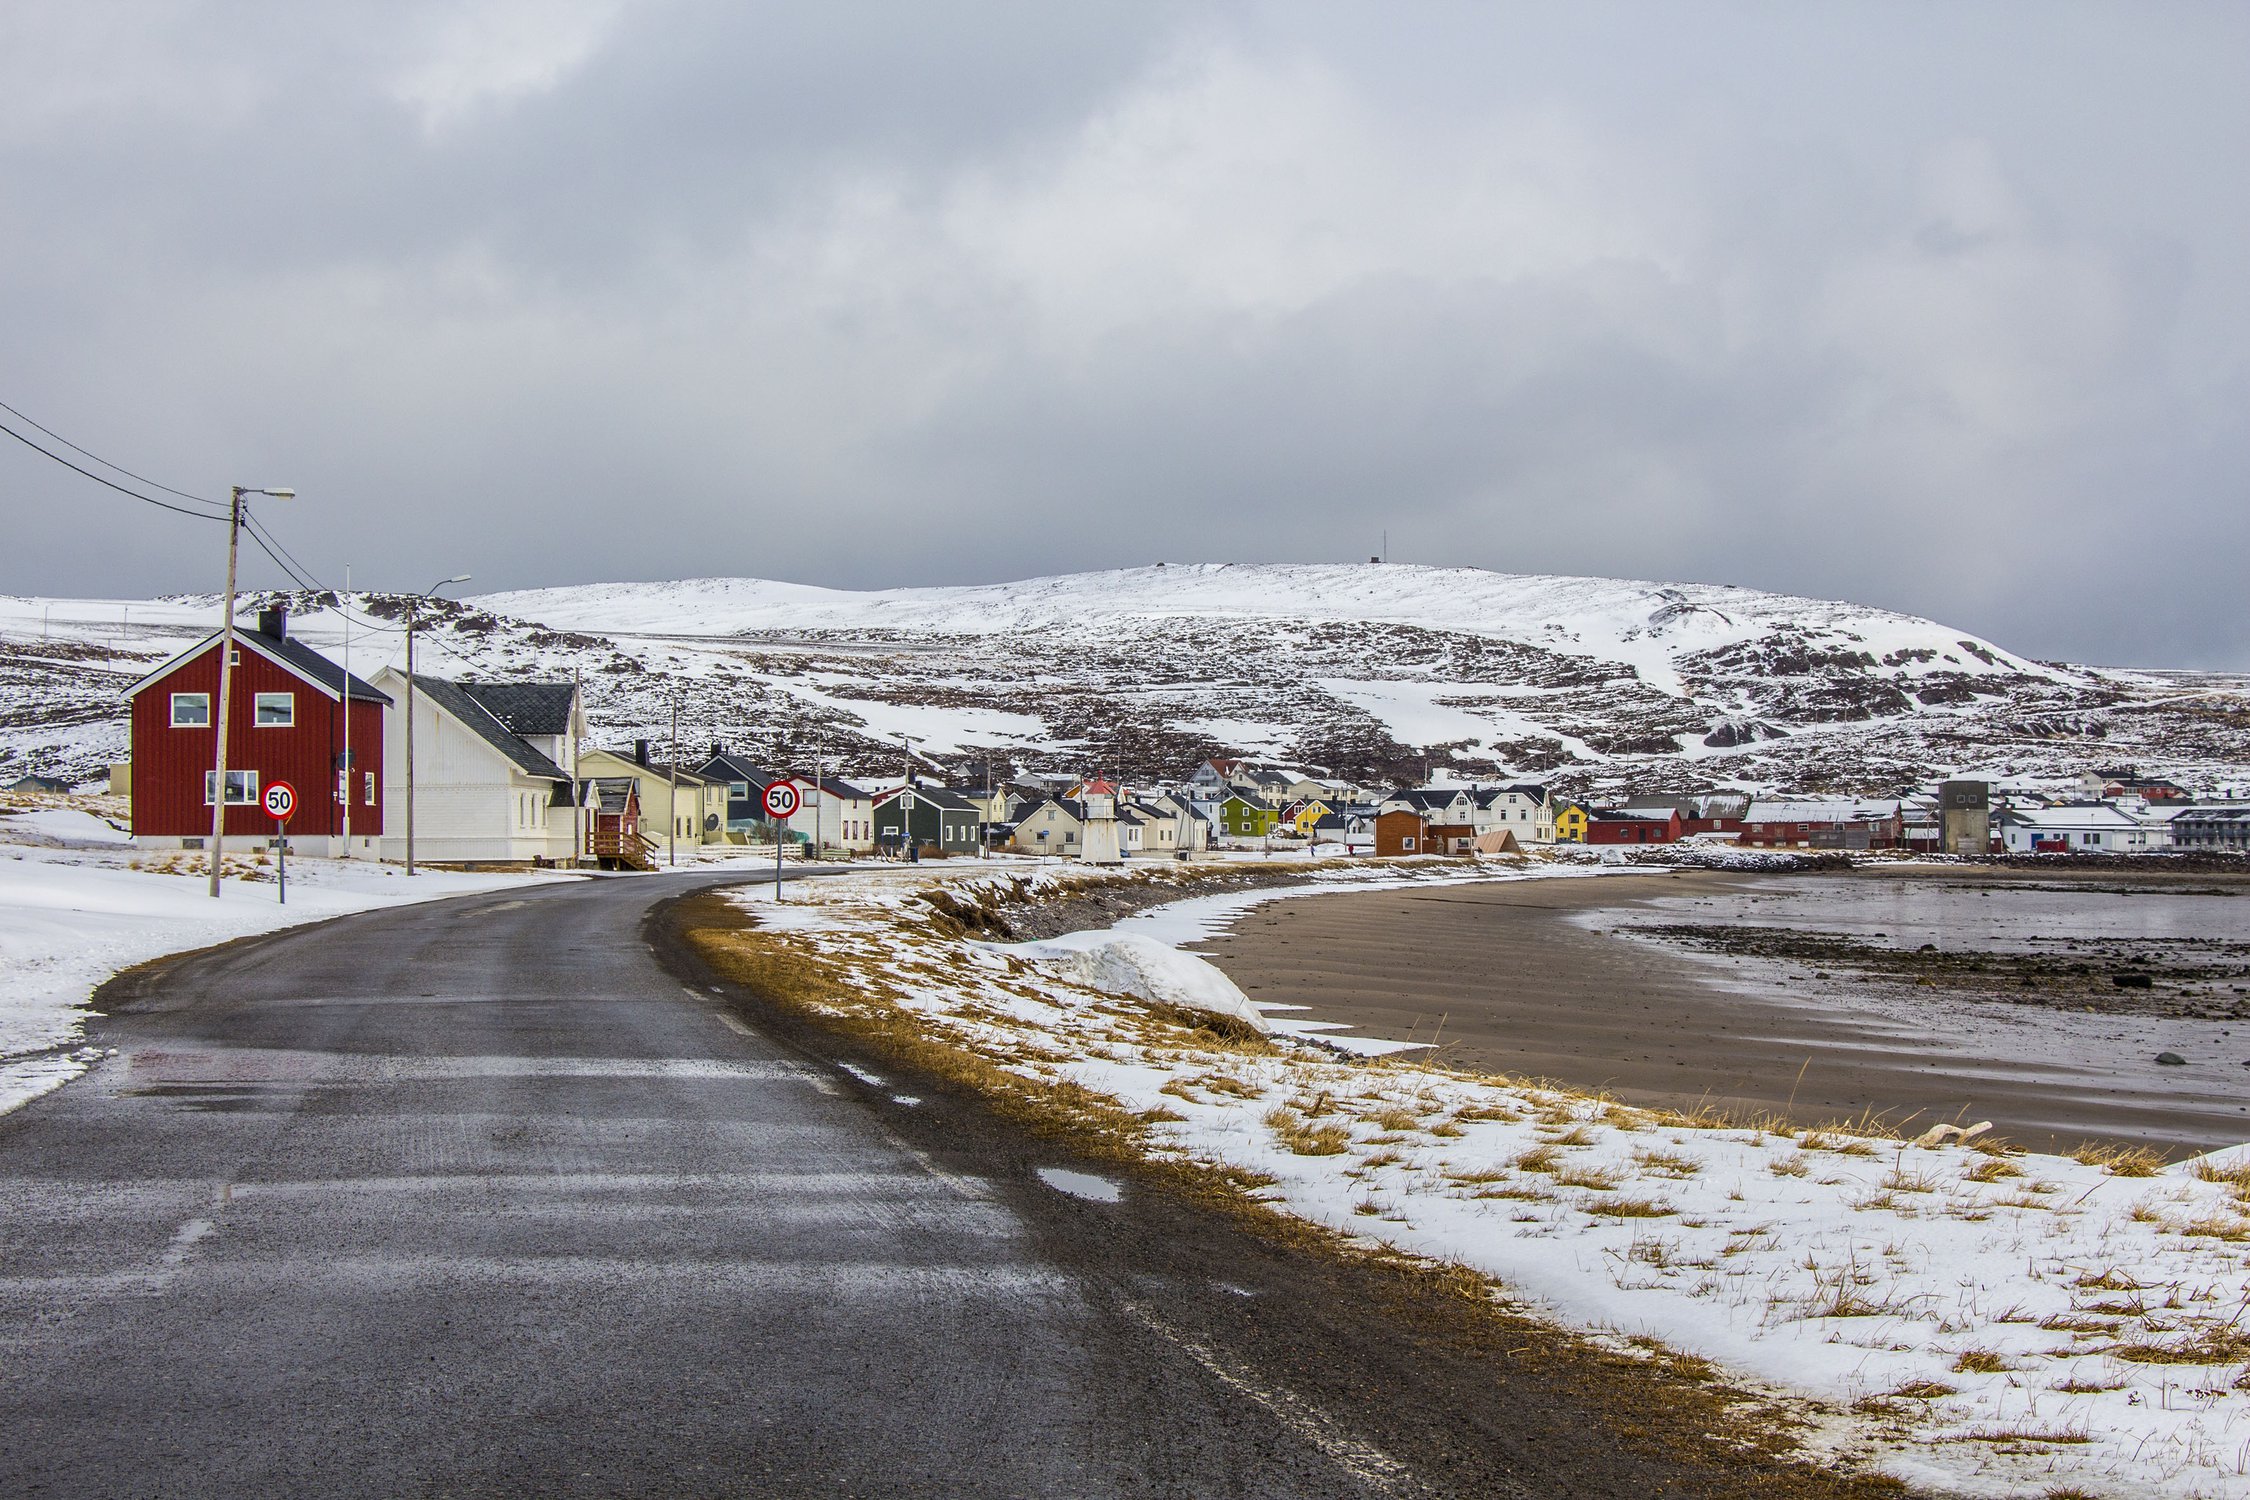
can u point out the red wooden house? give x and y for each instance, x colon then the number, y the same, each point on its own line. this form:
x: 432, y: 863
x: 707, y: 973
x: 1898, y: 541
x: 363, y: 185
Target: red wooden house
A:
x: 1640, y: 826
x: 1401, y: 832
x: 289, y: 722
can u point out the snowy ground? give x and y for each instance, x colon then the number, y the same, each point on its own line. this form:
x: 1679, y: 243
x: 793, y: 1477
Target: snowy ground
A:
x: 78, y: 903
x: 1977, y: 1320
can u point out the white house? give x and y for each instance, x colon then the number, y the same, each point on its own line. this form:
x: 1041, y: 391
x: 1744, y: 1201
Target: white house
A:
x: 1523, y: 810
x: 482, y: 791
x: 2077, y: 828
x: 1439, y: 805
x: 833, y: 814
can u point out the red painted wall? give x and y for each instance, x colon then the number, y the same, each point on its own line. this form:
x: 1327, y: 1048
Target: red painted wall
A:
x: 1633, y: 830
x: 169, y: 764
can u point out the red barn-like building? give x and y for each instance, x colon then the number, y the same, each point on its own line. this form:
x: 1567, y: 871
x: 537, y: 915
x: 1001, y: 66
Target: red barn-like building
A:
x: 1606, y: 826
x: 289, y: 722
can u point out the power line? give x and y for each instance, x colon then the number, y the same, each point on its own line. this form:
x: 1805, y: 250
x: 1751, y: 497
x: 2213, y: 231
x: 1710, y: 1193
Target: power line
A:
x: 199, y: 515
x: 105, y: 463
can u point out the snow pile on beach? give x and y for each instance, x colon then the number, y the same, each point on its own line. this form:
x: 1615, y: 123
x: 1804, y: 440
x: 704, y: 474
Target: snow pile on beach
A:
x: 1118, y: 963
x: 78, y: 903
x: 1969, y: 1317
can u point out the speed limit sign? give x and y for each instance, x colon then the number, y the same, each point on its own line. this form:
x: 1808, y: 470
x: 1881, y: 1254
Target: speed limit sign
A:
x: 781, y: 800
x: 281, y: 801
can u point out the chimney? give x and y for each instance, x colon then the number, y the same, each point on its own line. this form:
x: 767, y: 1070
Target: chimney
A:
x: 718, y: 748
x: 640, y: 752
x: 274, y: 621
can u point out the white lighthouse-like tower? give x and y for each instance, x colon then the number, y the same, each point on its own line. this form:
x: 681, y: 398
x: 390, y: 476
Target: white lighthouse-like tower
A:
x: 1100, y: 845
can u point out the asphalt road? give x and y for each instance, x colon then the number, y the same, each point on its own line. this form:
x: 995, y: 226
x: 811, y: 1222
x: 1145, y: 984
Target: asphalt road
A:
x: 479, y: 1198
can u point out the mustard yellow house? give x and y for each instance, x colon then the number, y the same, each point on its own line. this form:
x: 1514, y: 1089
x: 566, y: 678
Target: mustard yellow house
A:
x: 1570, y: 824
x: 1307, y: 814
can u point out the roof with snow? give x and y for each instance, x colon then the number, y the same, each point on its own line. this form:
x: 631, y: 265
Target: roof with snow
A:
x: 1829, y: 811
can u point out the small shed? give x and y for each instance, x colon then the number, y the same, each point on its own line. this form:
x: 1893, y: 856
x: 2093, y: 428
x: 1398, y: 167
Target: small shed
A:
x: 53, y: 785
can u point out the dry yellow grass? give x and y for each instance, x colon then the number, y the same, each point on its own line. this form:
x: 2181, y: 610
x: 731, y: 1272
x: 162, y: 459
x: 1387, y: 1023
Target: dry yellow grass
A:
x: 2120, y: 1161
x: 1301, y: 1136
x: 1981, y: 1362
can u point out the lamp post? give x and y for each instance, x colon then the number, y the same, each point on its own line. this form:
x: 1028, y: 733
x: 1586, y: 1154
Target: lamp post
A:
x: 413, y: 613
x: 906, y: 802
x: 226, y: 673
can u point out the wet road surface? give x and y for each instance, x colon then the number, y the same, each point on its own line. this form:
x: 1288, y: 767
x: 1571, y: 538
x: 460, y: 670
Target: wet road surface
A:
x: 476, y: 1198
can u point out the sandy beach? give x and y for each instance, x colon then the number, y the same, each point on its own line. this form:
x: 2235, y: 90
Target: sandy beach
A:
x: 1563, y: 979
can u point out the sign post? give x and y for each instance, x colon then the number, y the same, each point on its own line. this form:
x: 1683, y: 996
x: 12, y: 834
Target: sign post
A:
x: 781, y: 805
x: 281, y: 806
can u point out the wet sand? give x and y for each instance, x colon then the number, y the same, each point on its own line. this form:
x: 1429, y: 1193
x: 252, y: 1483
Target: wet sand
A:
x: 1535, y: 979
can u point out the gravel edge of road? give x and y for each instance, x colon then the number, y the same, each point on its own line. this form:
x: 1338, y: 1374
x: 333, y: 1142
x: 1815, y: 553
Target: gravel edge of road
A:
x: 1456, y: 1349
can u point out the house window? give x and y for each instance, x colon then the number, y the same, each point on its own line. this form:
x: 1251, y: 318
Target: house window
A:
x: 191, y: 710
x: 370, y: 788
x: 1406, y: 843
x: 274, y: 710
x: 242, y: 787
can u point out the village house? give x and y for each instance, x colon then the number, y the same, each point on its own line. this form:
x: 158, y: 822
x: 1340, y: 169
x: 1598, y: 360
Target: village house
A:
x: 1522, y: 811
x: 1243, y: 816
x: 1700, y: 812
x: 698, y: 802
x: 2074, y: 828
x: 833, y: 814
x: 1570, y: 823
x: 1053, y: 825
x: 290, y: 708
x: 746, y: 784
x: 926, y: 819
x: 1401, y: 832
x: 1191, y: 829
x: 2212, y: 828
x: 1614, y: 825
x: 1437, y: 805
x: 614, y: 837
x: 1354, y: 831
x: 2123, y: 782
x: 483, y: 794
x: 1212, y: 780
x: 1831, y: 824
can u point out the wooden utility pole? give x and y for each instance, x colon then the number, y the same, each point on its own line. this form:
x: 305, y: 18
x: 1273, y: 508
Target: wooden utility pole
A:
x: 226, y: 689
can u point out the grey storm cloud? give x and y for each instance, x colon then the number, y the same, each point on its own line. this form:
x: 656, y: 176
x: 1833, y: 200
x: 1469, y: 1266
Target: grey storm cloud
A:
x: 1930, y: 307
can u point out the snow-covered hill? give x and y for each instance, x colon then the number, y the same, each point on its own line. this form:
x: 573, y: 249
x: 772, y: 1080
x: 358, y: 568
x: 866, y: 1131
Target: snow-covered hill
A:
x: 1369, y: 669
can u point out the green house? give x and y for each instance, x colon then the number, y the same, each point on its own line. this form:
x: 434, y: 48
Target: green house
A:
x: 1242, y: 817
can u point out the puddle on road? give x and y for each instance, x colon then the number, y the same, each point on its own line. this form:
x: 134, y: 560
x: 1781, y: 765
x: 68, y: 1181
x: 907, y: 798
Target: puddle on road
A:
x: 1081, y: 1185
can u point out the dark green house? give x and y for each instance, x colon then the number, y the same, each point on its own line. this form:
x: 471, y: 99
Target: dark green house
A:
x: 942, y: 822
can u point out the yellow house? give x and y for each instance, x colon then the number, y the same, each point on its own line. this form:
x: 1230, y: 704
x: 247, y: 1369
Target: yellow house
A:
x: 1309, y: 814
x: 1570, y: 824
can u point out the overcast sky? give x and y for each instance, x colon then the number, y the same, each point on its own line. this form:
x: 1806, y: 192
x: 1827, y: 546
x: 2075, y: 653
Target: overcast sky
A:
x: 1941, y: 307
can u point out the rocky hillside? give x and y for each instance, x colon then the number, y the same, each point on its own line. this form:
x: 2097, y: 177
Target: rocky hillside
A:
x: 1370, y: 670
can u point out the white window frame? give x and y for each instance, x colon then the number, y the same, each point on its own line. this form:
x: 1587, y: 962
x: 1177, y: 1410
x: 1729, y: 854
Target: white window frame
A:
x: 202, y: 698
x: 247, y: 780
x: 370, y: 788
x: 258, y: 705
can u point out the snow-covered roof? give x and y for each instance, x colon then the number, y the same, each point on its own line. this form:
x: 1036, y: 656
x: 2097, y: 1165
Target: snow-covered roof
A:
x: 2084, y: 815
x: 1826, y: 811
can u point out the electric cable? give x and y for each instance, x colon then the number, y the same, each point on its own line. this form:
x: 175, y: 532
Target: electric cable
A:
x: 111, y: 483
x: 105, y: 463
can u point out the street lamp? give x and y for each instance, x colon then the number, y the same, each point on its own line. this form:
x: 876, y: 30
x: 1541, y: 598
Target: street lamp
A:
x: 226, y: 673
x: 413, y: 612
